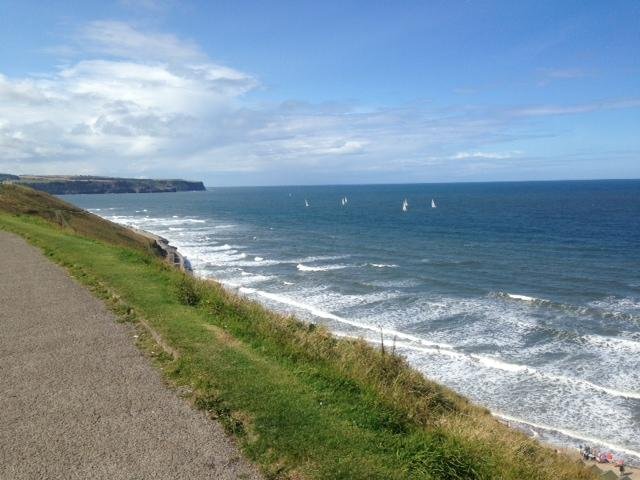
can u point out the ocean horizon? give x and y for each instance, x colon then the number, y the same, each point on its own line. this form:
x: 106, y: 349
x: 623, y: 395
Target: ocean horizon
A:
x: 523, y: 296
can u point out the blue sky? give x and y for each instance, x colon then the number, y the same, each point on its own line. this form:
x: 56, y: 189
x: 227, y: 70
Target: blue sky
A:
x: 258, y: 93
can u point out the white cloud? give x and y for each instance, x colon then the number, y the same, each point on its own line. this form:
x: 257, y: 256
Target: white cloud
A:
x: 115, y: 109
x: 485, y: 155
x: 549, y: 110
x: 132, y: 112
x: 148, y: 103
x: 550, y: 75
x: 121, y: 40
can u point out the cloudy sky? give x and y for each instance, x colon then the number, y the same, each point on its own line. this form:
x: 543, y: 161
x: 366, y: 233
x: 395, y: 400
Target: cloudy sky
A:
x: 309, y: 92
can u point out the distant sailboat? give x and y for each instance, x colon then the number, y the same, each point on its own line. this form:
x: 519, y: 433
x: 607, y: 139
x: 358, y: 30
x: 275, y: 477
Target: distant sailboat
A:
x: 344, y: 201
x: 433, y: 203
x: 306, y: 204
x: 405, y: 205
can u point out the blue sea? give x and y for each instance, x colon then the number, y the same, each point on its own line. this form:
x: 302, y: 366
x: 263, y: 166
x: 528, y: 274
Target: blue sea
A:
x: 524, y: 297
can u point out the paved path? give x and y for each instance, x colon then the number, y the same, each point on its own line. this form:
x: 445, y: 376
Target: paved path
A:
x: 78, y: 400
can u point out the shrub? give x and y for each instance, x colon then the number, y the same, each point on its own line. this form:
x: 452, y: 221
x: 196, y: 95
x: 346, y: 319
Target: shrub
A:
x: 189, y: 290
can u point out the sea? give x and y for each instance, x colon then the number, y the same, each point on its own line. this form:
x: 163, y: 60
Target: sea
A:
x: 523, y: 296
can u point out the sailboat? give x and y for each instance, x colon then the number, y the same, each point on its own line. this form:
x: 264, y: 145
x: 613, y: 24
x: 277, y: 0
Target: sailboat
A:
x: 433, y: 203
x: 344, y: 201
x: 405, y: 205
x: 306, y: 204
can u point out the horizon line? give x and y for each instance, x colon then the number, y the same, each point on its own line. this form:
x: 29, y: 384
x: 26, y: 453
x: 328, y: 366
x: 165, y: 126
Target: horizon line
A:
x: 419, y: 183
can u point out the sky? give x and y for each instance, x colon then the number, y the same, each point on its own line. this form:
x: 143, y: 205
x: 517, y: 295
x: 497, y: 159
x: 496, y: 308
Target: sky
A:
x: 333, y: 92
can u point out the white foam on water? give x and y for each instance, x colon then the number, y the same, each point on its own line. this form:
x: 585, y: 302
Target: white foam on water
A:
x: 330, y: 316
x: 524, y: 298
x: 154, y: 222
x: 345, y: 305
x: 569, y: 433
x: 627, y: 309
x: 249, y: 278
x: 499, y: 364
x: 619, y: 343
x: 383, y: 265
x: 571, y: 381
x: 399, y: 283
x: 258, y: 259
x: 324, y: 268
x: 253, y: 263
x: 316, y: 258
x: 226, y: 246
x: 493, y: 362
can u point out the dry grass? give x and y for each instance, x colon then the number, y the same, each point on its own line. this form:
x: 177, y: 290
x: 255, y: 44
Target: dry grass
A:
x: 419, y: 401
x: 21, y: 200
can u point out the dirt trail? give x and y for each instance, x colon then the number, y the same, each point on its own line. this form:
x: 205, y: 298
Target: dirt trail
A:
x: 78, y: 400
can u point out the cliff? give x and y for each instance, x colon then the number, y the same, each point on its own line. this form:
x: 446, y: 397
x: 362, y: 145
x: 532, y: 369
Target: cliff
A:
x: 64, y: 185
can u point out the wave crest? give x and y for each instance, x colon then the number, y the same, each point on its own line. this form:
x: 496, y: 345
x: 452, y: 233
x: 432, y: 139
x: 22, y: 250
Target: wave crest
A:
x: 323, y: 268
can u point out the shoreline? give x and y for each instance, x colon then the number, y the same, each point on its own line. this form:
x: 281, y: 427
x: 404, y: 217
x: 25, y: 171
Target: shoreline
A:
x: 170, y: 253
x: 172, y: 256
x: 253, y: 367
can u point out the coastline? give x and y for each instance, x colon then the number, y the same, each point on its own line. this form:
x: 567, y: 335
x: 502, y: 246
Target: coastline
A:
x: 279, y: 384
x: 175, y: 258
x: 170, y: 253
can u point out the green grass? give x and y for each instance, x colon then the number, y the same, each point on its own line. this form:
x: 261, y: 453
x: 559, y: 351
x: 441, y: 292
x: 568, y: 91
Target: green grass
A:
x: 22, y: 200
x: 302, y: 403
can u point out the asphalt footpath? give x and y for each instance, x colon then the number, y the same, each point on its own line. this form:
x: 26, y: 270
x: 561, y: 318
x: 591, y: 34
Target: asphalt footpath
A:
x: 77, y: 398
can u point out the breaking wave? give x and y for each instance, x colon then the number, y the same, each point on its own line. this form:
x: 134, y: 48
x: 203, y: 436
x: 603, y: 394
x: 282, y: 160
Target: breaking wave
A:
x: 323, y: 268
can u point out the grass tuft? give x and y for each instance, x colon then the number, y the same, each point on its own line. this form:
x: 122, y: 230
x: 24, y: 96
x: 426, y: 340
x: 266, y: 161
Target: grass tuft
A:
x: 188, y: 290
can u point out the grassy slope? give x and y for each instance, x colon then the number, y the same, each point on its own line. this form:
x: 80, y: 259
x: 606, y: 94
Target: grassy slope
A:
x: 302, y: 403
x: 17, y: 199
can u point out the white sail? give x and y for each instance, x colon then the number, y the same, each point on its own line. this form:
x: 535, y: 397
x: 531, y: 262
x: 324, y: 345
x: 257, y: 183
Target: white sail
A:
x: 306, y: 204
x: 405, y: 205
x: 433, y: 203
x: 346, y: 200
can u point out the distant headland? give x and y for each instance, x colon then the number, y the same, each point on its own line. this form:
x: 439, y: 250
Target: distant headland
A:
x: 72, y: 184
